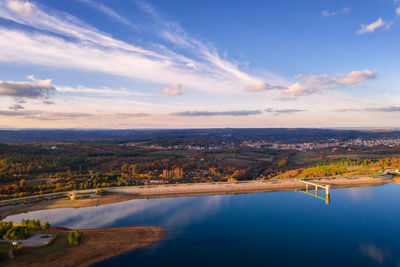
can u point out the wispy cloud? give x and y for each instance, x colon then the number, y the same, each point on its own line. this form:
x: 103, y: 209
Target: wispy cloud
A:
x: 217, y: 113
x: 370, y: 28
x: 174, y: 89
x: 393, y: 108
x: 309, y: 84
x: 317, y: 83
x: 263, y: 86
x: 16, y: 107
x: 284, y: 111
x: 19, y: 112
x: 43, y: 115
x: 109, y: 12
x: 131, y: 115
x: 34, y: 89
x: 103, y: 91
x: 201, y: 68
x: 326, y: 13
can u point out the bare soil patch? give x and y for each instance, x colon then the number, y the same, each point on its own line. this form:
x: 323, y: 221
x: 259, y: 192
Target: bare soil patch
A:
x: 101, y: 244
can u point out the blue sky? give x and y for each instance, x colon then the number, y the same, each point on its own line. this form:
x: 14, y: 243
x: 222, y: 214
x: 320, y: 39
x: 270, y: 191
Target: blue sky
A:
x: 190, y: 64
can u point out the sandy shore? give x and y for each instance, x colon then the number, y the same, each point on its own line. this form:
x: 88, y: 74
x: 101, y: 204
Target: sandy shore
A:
x: 244, y: 187
x: 100, y: 244
x: 119, y: 194
x: 64, y: 203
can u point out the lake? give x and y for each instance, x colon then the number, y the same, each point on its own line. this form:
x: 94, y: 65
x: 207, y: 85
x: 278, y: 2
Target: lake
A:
x: 360, y: 227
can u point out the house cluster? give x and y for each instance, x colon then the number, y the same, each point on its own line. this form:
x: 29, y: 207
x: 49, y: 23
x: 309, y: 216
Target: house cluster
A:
x: 390, y: 142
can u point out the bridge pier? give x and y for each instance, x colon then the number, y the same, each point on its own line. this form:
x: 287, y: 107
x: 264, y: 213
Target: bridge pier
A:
x: 327, y: 189
x: 327, y: 199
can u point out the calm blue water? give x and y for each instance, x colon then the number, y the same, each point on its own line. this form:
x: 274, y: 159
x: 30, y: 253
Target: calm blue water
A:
x: 361, y: 227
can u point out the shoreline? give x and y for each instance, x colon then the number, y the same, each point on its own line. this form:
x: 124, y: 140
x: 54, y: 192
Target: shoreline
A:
x: 120, y: 194
x: 98, y: 245
x: 194, y: 189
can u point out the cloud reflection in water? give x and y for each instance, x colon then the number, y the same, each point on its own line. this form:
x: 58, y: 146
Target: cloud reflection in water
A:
x: 164, y: 212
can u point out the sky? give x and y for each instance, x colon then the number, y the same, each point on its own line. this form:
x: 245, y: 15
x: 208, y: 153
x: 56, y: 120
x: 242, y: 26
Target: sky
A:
x: 128, y: 64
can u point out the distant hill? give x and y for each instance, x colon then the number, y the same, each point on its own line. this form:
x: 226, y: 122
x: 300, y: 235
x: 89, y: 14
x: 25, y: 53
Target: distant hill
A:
x: 185, y: 136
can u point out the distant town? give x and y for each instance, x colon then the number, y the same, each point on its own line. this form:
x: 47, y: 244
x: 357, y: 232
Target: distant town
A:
x: 49, y: 162
x: 367, y: 142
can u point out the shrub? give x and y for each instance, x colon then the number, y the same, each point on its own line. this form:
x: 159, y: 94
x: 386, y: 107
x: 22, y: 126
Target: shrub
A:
x: 100, y: 192
x: 74, y: 238
x: 31, y: 224
x: 45, y: 226
x: 17, y: 232
x: 4, y: 227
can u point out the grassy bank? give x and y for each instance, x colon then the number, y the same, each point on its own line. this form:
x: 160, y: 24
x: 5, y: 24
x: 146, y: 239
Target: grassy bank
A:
x: 96, y: 245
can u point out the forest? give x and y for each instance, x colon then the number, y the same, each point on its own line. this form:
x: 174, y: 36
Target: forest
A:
x: 37, y: 168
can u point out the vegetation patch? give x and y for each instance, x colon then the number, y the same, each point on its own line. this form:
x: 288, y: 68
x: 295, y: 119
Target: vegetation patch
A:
x: 75, y: 237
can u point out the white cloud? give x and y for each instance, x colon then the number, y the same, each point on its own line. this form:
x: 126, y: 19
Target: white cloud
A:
x: 109, y: 12
x: 21, y: 7
x: 346, y: 10
x: 173, y: 92
x: 175, y: 85
x: 104, y: 91
x: 398, y: 11
x: 326, y: 13
x: 262, y: 86
x: 201, y: 69
x: 355, y: 78
x: 298, y: 89
x: 174, y: 89
x: 316, y: 83
x: 369, y: 28
x: 308, y: 84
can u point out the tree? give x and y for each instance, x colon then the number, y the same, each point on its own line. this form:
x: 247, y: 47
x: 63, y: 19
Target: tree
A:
x: 31, y: 224
x: 22, y: 183
x: 282, y: 163
x: 45, y: 226
x: 17, y: 232
x: 4, y: 227
x: 74, y: 238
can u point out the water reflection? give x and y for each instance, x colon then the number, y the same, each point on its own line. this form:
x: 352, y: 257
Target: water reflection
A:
x: 327, y: 197
x: 374, y: 252
x: 359, y: 228
x: 357, y: 194
x: 174, y: 213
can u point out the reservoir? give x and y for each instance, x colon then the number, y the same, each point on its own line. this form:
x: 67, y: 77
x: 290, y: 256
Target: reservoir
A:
x: 360, y: 227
